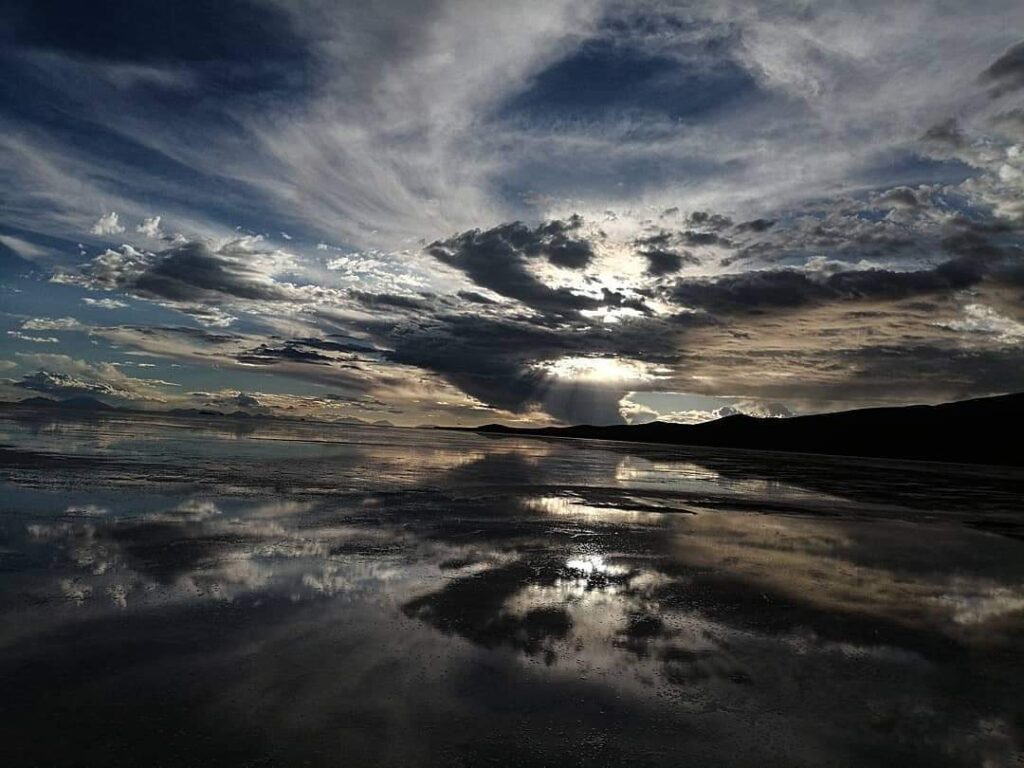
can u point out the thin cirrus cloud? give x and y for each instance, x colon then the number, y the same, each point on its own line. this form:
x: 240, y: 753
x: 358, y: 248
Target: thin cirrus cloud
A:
x: 772, y: 203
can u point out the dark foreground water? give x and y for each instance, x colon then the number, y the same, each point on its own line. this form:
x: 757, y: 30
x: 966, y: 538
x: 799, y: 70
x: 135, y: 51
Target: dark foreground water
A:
x: 190, y: 595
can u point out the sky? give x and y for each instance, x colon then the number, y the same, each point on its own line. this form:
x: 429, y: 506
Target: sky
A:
x: 566, y: 211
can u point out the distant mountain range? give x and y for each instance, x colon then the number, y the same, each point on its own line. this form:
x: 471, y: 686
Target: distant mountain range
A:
x: 981, y: 431
x: 82, y: 403
x: 85, y: 404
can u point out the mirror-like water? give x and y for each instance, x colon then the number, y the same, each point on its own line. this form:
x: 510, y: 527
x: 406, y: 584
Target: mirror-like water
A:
x: 176, y: 594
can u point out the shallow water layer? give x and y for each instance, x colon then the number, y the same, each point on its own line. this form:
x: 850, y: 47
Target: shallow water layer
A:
x: 182, y: 593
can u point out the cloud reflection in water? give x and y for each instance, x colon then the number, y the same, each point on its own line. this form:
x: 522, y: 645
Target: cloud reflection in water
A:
x: 531, y: 601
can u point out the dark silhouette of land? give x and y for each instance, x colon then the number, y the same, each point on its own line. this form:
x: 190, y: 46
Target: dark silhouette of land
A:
x: 981, y: 431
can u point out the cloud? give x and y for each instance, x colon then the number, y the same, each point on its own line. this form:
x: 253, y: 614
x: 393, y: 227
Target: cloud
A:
x: 981, y: 319
x: 790, y: 289
x: 195, y: 272
x: 247, y: 401
x: 64, y: 375
x: 513, y: 363
x: 53, y: 324
x: 498, y: 259
x: 390, y: 301
x: 150, y: 227
x: 753, y: 408
x: 104, y: 303
x: 23, y: 248
x: 1010, y: 123
x: 452, y: 130
x: 107, y: 224
x: 902, y: 197
x: 1006, y: 73
x: 65, y: 384
x: 634, y: 412
x: 473, y: 297
x: 661, y: 262
x: 661, y: 255
x: 33, y: 339
x: 194, y: 277
x: 267, y: 355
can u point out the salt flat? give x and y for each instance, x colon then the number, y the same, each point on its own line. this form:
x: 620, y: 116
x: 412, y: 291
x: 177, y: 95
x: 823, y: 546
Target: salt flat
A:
x: 193, y: 593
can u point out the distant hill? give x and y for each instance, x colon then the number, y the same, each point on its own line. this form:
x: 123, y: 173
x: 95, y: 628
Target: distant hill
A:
x: 981, y: 431
x: 79, y: 403
x: 36, y: 402
x: 85, y: 404
x: 191, y: 412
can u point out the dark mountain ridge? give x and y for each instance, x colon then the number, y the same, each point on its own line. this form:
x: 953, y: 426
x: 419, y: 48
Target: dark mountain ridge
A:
x: 980, y: 431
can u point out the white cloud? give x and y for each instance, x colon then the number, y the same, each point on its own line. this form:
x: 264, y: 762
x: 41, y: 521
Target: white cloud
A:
x: 23, y: 248
x: 634, y: 412
x: 107, y: 224
x: 981, y: 319
x: 53, y: 324
x: 105, y: 303
x: 34, y: 339
x: 150, y: 227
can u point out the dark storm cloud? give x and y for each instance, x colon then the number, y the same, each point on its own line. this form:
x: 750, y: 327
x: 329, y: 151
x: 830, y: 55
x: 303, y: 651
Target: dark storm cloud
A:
x: 900, y: 225
x: 973, y: 243
x: 334, y: 346
x: 495, y: 359
x: 1010, y: 123
x: 487, y: 358
x: 709, y: 220
x: 945, y: 371
x: 661, y: 262
x: 475, y: 298
x: 554, y: 239
x: 267, y: 355
x: 755, y: 225
x: 367, y: 402
x: 749, y: 291
x: 790, y: 289
x: 947, y: 133
x: 198, y: 335
x: 692, y: 237
x: 1006, y: 73
x: 663, y: 250
x: 707, y: 235
x: 65, y: 385
x: 497, y: 259
x: 191, y: 272
x: 390, y: 301
x: 306, y: 350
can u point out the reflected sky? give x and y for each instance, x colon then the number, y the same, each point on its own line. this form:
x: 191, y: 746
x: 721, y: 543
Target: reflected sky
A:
x: 294, y: 595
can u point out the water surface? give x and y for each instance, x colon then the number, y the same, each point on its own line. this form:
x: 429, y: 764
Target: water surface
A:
x: 190, y: 593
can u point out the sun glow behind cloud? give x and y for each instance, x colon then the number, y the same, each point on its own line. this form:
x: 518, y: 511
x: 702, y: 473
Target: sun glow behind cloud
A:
x: 611, y: 370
